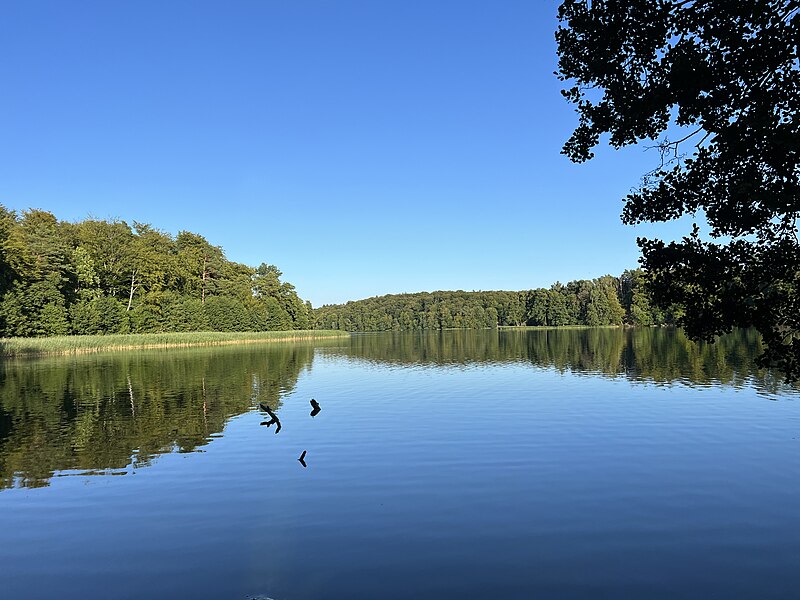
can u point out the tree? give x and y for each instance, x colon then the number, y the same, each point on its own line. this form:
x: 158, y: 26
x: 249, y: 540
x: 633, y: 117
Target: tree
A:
x: 557, y: 310
x: 153, y: 264
x: 717, y: 85
x: 635, y: 299
x: 266, y: 281
x: 108, y: 246
x: 201, y: 264
x: 184, y: 314
x: 34, y: 309
x: 274, y: 317
x: 537, y: 307
x: 99, y: 316
x: 226, y: 314
x: 36, y: 248
x: 8, y: 220
x: 87, y: 279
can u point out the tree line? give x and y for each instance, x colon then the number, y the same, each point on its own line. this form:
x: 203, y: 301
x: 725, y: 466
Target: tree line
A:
x: 99, y: 277
x: 602, y: 301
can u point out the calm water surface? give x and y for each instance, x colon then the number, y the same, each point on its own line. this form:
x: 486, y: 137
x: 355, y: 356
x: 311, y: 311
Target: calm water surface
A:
x: 540, y: 464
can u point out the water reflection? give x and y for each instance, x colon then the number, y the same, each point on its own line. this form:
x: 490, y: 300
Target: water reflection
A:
x: 114, y: 413
x: 652, y: 355
x: 119, y: 411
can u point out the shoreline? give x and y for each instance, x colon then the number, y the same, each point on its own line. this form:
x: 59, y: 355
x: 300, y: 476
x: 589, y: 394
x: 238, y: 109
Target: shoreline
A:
x: 92, y: 344
x: 553, y: 327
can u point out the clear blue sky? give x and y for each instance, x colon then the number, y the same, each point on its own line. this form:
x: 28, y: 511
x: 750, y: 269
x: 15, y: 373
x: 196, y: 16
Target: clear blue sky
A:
x: 364, y: 148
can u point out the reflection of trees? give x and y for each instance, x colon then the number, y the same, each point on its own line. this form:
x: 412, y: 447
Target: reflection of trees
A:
x: 661, y: 355
x: 104, y: 412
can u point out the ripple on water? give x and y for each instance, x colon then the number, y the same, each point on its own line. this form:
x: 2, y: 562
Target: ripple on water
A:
x: 526, y: 470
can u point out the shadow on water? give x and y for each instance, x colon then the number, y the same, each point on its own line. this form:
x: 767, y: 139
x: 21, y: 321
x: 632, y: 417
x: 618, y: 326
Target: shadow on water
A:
x: 116, y: 412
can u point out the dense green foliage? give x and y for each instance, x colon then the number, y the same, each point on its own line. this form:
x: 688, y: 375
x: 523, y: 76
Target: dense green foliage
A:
x: 722, y: 78
x: 103, y: 277
x: 603, y: 301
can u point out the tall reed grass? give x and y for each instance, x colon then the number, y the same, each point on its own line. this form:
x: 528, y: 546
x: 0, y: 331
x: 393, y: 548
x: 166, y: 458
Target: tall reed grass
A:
x: 81, y: 344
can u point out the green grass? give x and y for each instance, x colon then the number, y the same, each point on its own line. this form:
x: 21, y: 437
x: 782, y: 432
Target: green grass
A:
x: 82, y: 344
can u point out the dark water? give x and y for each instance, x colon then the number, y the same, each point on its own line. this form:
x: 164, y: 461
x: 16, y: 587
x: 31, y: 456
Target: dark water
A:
x: 542, y: 464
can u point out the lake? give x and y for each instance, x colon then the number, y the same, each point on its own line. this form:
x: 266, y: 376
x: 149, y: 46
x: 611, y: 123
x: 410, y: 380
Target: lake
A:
x: 600, y: 463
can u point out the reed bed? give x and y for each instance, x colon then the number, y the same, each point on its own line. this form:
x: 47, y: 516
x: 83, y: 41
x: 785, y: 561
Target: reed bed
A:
x: 84, y: 344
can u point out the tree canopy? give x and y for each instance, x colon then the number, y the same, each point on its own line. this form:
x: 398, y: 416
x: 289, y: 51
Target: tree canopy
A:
x: 602, y: 301
x: 97, y: 277
x: 716, y: 85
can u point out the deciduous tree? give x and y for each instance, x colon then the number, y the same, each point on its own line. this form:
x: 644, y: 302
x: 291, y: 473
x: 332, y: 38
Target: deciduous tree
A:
x: 716, y: 84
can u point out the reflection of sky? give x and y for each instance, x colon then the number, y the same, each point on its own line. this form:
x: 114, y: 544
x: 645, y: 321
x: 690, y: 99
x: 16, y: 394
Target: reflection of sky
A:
x: 768, y: 386
x: 483, y: 479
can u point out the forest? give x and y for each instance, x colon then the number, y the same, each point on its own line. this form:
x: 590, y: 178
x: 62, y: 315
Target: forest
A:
x: 101, y: 277
x: 597, y: 302
x: 104, y: 277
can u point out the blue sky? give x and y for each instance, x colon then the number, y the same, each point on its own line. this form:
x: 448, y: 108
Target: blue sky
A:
x: 364, y: 148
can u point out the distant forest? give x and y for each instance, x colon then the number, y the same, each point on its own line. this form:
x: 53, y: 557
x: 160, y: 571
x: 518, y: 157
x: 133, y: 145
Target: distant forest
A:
x: 102, y: 277
x: 98, y: 277
x: 606, y: 300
